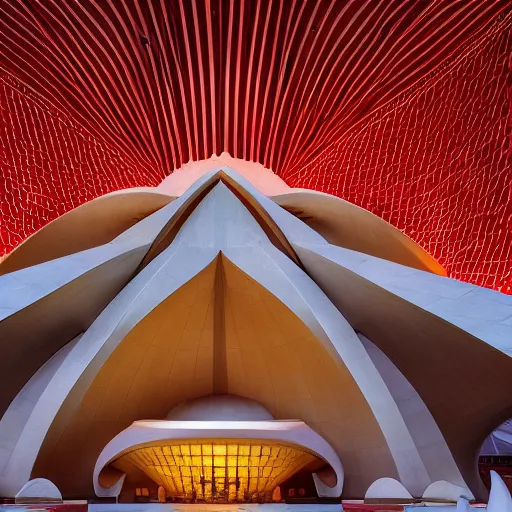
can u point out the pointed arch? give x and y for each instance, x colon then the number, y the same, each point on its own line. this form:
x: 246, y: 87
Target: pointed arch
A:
x: 264, y: 219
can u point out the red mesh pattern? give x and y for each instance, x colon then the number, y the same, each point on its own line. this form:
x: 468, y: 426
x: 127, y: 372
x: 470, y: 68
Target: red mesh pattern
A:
x: 50, y: 165
x: 400, y: 106
x: 436, y: 164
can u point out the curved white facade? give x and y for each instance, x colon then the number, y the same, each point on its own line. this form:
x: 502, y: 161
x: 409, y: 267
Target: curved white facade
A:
x: 222, y: 291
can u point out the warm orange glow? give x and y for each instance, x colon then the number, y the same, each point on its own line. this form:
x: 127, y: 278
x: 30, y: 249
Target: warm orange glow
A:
x: 220, y: 470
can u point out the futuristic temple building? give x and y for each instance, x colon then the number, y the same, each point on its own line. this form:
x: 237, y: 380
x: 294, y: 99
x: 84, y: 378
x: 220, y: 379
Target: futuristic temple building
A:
x: 255, y: 250
x: 216, y: 336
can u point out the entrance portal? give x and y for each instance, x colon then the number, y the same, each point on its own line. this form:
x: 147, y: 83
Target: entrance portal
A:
x: 225, y: 471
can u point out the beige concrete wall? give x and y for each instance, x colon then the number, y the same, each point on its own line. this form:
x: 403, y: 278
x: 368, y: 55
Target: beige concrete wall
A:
x: 165, y: 359
x: 270, y: 356
x: 93, y: 224
x: 347, y: 225
x: 29, y: 337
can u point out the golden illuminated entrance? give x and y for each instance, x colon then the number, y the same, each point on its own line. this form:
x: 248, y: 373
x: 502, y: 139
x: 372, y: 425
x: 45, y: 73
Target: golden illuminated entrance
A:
x: 220, y: 470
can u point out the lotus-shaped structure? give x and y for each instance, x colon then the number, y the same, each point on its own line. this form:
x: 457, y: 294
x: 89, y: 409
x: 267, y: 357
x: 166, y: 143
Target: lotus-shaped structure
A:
x: 332, y: 341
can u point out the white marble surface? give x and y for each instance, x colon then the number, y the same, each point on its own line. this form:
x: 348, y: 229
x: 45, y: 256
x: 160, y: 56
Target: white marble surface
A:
x: 39, y: 488
x: 427, y: 436
x: 294, y: 229
x: 16, y: 416
x: 484, y: 313
x: 446, y: 491
x: 387, y: 488
x: 500, y: 499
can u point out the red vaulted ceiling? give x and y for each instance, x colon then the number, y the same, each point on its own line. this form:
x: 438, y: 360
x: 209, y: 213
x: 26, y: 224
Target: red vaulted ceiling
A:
x: 402, y: 107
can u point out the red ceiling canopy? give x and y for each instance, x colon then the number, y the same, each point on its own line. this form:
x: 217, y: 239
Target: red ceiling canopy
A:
x: 402, y: 107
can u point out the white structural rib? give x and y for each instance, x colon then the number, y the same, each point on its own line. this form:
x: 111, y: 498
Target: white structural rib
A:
x: 484, y: 313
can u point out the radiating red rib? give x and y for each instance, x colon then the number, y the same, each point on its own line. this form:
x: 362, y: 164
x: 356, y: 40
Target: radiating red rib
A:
x: 278, y: 104
x: 248, y: 85
x: 227, y: 82
x: 264, y: 110
x: 235, y: 150
x: 345, y: 97
x: 53, y: 80
x: 191, y: 78
x: 258, y: 84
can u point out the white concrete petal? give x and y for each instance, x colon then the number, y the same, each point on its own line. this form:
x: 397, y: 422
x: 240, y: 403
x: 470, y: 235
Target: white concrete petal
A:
x: 479, y: 311
x: 347, y: 225
x: 443, y: 490
x: 387, y: 488
x: 436, y: 354
x: 500, y: 499
x: 220, y: 223
x: 16, y: 416
x: 427, y: 437
x: 28, y: 285
x: 302, y: 296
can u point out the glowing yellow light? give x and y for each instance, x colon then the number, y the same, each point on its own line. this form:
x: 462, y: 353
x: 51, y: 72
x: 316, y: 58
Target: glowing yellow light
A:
x: 220, y: 470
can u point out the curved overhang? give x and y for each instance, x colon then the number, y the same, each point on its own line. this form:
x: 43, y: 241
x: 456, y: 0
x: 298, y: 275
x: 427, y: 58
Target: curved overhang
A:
x: 92, y: 224
x: 348, y: 225
x: 297, y: 434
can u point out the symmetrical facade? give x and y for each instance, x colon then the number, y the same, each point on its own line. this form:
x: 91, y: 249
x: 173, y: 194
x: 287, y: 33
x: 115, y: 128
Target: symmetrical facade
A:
x: 224, y: 328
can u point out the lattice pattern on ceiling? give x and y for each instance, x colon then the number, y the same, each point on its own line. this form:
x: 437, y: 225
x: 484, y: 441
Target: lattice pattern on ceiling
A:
x: 220, y: 470
x: 436, y: 163
x: 402, y: 107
